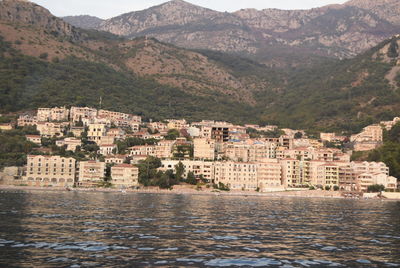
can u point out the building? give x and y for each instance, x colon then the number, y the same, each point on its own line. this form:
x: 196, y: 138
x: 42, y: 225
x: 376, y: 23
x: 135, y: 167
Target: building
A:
x: 79, y: 114
x: 199, y: 168
x: 237, y: 175
x: 70, y: 143
x: 124, y: 176
x: 269, y: 175
x: 6, y: 126
x: 370, y: 138
x: 148, y: 150
x: 115, y: 159
x: 27, y: 120
x: 177, y: 124
x: 96, y: 132
x: 107, y: 149
x: 164, y: 148
x: 51, y: 129
x: 53, y: 114
x: 91, y: 173
x: 50, y: 171
x: 204, y: 148
x: 37, y: 139
x: 77, y: 131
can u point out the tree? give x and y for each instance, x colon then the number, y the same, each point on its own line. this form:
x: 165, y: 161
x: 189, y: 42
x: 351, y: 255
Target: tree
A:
x: 172, y: 134
x: 298, y: 135
x: 327, y: 187
x: 179, y: 171
x: 191, y: 179
x: 148, y: 170
x: 375, y: 188
x: 393, y: 49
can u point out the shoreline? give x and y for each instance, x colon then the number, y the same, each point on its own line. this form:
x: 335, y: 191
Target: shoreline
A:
x: 191, y: 191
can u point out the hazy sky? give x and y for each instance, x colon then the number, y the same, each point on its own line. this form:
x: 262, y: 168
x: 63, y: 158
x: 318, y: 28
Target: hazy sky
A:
x: 110, y: 8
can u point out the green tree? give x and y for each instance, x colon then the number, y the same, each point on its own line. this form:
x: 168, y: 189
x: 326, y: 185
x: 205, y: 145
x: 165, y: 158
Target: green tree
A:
x: 179, y: 171
x: 191, y: 179
x: 172, y: 134
x: 376, y: 188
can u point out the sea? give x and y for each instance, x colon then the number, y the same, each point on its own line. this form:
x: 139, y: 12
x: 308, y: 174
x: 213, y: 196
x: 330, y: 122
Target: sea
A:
x: 95, y: 229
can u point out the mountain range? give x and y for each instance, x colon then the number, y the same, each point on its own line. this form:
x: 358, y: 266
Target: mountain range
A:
x: 271, y: 36
x: 45, y: 61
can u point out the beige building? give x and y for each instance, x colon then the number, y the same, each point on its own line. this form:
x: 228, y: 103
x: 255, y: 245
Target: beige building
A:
x: 148, y: 150
x: 37, y: 139
x: 27, y: 120
x: 269, y: 175
x: 124, y: 176
x: 370, y: 138
x: 52, y: 114
x: 51, y: 129
x: 115, y: 159
x: 77, y: 131
x: 6, y: 126
x: 237, y: 175
x: 50, y: 171
x: 204, y: 148
x: 91, y: 173
x: 71, y: 143
x: 81, y: 113
x: 164, y: 149
x: 177, y: 124
x: 96, y: 132
x: 107, y: 149
x: 204, y: 168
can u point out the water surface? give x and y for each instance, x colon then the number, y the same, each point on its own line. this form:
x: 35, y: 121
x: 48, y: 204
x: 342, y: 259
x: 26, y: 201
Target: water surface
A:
x: 70, y: 229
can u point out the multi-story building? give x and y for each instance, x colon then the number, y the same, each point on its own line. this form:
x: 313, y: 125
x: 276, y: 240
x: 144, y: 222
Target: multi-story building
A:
x: 115, y: 159
x: 79, y: 114
x: 148, y: 150
x: 199, y: 168
x: 370, y: 138
x: 96, y: 132
x: 51, y: 129
x: 45, y: 170
x: 107, y: 149
x: 124, y: 176
x: 37, y: 139
x: 77, y: 131
x: 91, y: 173
x: 164, y: 148
x: 177, y: 124
x: 53, y: 114
x: 71, y: 143
x: 113, y: 115
x: 237, y: 175
x: 269, y: 175
x: 27, y: 120
x: 204, y: 148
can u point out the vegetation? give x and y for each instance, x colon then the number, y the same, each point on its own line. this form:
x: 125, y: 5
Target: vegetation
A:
x: 389, y: 153
x: 375, y: 188
x: 150, y: 176
x: 14, y: 147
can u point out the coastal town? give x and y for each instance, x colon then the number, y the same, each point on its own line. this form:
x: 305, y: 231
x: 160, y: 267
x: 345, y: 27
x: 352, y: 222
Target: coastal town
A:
x: 85, y: 147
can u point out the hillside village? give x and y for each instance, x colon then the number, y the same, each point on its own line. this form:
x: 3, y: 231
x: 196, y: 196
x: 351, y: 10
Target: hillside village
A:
x: 85, y: 147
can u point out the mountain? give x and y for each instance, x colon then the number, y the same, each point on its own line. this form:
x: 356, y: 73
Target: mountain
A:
x: 386, y: 9
x: 83, y: 21
x: 44, y: 64
x: 338, y: 31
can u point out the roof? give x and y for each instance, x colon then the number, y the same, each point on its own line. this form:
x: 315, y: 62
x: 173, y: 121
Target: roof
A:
x: 124, y: 166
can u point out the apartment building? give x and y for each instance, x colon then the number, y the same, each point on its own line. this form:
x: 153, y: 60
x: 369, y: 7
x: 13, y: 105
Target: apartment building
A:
x: 177, y: 124
x: 51, y: 129
x: 148, y: 150
x: 37, y: 139
x: 199, y: 168
x: 124, y: 176
x: 96, y: 132
x: 91, y: 173
x: 237, y: 175
x: 53, y: 114
x: 45, y: 170
x: 70, y: 143
x: 269, y: 175
x: 107, y: 149
x: 82, y: 114
x: 204, y: 148
x: 27, y: 120
x: 164, y: 148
